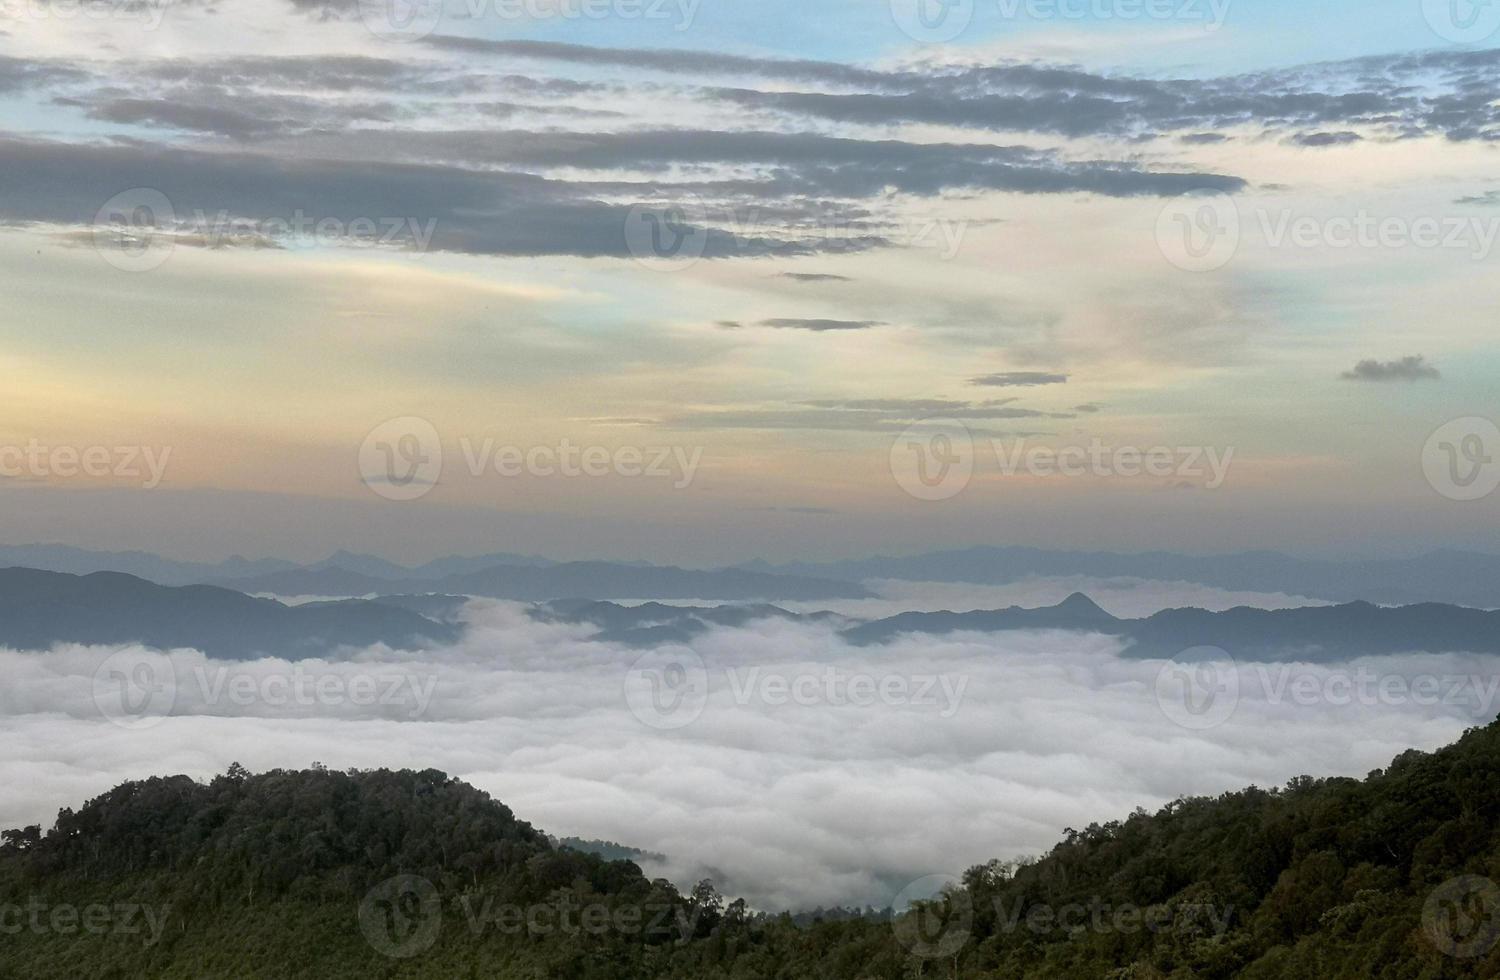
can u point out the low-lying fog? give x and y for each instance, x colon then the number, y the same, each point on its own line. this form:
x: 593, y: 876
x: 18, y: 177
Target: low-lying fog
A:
x: 792, y: 768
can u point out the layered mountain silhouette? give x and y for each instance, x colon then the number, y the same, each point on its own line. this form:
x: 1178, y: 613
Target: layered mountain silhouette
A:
x: 572, y: 580
x: 1318, y: 633
x: 1459, y: 577
x: 39, y: 609
x: 166, y: 571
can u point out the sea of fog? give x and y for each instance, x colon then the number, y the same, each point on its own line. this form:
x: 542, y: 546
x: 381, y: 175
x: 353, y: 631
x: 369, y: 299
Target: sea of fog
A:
x: 793, y: 769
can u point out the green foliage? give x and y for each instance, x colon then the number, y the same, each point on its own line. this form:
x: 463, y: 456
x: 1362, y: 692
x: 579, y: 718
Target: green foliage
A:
x: 272, y: 875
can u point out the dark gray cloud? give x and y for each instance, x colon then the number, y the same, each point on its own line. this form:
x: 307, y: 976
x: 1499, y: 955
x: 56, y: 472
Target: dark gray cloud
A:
x: 818, y: 324
x: 1019, y: 379
x: 861, y: 415
x: 331, y: 73
x: 1412, y: 368
x: 1446, y: 93
x: 675, y: 62
x: 336, y: 136
x: 814, y: 277
x: 809, y: 165
x: 908, y: 407
x: 834, y: 421
x: 1325, y: 139
x: 19, y: 74
x: 481, y: 212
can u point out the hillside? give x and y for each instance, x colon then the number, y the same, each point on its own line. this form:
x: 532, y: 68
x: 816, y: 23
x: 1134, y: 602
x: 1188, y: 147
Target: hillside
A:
x: 38, y: 609
x: 300, y: 874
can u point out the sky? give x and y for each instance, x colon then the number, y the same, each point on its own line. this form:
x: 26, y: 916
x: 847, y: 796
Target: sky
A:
x: 704, y: 281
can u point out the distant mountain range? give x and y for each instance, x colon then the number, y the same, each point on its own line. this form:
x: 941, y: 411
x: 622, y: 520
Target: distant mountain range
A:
x: 496, y: 576
x: 1456, y: 577
x: 584, y: 579
x: 165, y: 571
x: 1317, y: 633
x: 39, y: 609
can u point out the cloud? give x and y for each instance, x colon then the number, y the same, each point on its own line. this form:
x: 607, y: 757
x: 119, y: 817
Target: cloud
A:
x: 814, y: 277
x: 792, y: 803
x: 674, y: 62
x: 819, y: 324
x: 1325, y: 139
x: 1019, y: 379
x: 19, y: 74
x: 1090, y: 408
x: 915, y: 406
x: 859, y: 415
x: 1413, y: 368
x: 469, y: 211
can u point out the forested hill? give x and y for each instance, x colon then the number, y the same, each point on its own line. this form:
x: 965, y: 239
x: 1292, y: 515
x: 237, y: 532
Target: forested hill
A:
x: 407, y: 874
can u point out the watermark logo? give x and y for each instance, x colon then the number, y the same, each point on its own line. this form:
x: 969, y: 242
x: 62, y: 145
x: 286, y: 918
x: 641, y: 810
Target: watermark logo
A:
x: 933, y: 460
x: 97, y: 919
x: 39, y: 461
x: 401, y: 20
x: 1462, y: 917
x: 135, y: 689
x: 1459, y: 459
x: 1462, y: 21
x: 667, y: 689
x: 1207, y: 466
x: 138, y: 230
x: 1199, y: 232
x: 147, y: 13
x: 401, y: 917
x: 405, y: 694
x: 835, y: 688
x: 1101, y: 917
x: 939, y: 917
x: 570, y: 460
x: 668, y: 237
x: 565, y: 916
x: 1210, y: 13
x: 1203, y: 233
x: 402, y: 458
x: 412, y: 20
x: 133, y: 230
x: 1199, y: 688
x: 932, y: 21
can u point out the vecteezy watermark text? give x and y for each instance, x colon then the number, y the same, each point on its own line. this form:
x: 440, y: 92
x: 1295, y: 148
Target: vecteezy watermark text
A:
x: 1204, y: 232
x: 936, y: 460
x: 39, y: 461
x: 149, y: 14
x: 412, y: 20
x: 669, y: 689
x: 137, y: 688
x: 1204, y: 463
x: 674, y: 235
x: 98, y: 919
x: 138, y: 229
x: 402, y: 917
x: 1202, y: 688
x: 403, y: 459
x: 942, y: 21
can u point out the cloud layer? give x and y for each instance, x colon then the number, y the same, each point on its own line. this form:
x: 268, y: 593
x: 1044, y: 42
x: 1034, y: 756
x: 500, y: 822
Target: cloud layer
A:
x: 782, y: 781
